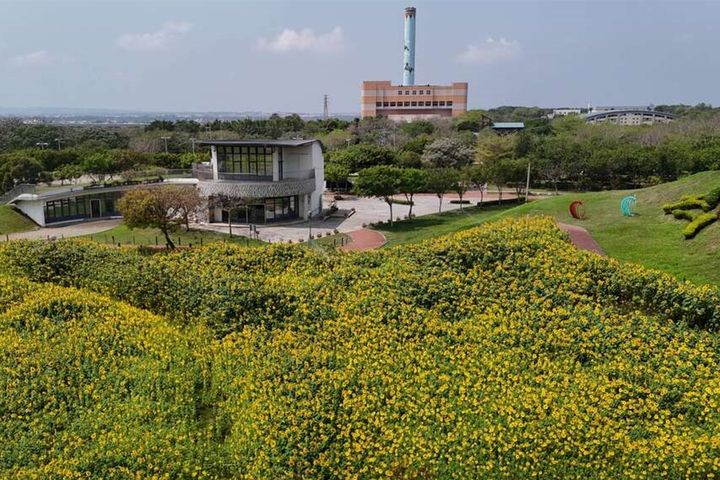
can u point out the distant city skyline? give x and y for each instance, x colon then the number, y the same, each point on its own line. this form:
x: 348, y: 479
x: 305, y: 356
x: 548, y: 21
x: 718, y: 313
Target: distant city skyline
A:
x: 271, y: 56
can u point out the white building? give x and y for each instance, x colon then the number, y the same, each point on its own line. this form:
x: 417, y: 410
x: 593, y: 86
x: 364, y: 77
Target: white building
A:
x: 280, y: 179
x: 276, y: 180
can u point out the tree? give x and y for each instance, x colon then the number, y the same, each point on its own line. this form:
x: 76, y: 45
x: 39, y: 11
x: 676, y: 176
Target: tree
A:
x: 68, y: 172
x: 230, y: 204
x: 409, y: 159
x: 448, y: 152
x: 418, y: 127
x: 412, y: 181
x: 440, y: 181
x: 358, y: 157
x: 381, y: 182
x: 157, y: 207
x: 478, y: 176
x: 19, y: 169
x: 336, y: 174
x: 462, y: 184
x: 189, y: 202
x: 492, y: 148
x: 97, y: 165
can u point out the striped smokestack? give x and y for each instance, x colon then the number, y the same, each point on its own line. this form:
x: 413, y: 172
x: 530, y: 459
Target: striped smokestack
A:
x: 409, y: 47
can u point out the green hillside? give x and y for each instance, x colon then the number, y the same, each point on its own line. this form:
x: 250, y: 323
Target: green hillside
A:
x: 12, y: 221
x: 650, y: 238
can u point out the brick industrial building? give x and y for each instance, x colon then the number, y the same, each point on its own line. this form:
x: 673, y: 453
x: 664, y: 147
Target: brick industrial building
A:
x: 410, y: 101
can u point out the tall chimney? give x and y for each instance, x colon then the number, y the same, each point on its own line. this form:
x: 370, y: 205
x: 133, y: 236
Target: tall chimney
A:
x: 409, y: 47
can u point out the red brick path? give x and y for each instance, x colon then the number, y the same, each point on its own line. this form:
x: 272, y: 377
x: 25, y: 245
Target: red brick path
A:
x: 581, y: 238
x: 364, y: 240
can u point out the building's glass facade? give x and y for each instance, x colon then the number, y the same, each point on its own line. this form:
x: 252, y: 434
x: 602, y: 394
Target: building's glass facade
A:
x: 245, y: 161
x: 86, y: 206
x: 266, y: 211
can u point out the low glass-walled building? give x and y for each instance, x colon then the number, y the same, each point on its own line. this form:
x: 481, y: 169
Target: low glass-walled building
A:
x: 82, y: 207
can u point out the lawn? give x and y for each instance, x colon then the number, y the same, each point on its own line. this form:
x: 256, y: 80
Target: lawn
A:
x: 650, y: 238
x: 152, y: 236
x: 11, y: 221
x: 438, y: 224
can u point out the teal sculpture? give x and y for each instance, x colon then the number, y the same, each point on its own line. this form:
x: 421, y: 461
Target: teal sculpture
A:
x: 626, y: 205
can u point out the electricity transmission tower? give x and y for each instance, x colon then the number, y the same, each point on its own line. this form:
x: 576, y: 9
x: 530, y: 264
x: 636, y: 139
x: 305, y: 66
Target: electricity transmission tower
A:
x: 326, y: 115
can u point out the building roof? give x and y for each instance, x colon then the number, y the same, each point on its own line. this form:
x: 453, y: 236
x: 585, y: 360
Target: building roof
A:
x: 508, y: 125
x: 265, y: 142
x: 617, y: 113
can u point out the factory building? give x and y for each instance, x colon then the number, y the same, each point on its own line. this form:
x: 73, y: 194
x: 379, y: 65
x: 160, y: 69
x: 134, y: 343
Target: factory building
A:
x: 409, y: 101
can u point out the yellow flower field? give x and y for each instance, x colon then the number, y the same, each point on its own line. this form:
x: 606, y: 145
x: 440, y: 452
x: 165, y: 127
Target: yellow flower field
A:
x: 498, y: 352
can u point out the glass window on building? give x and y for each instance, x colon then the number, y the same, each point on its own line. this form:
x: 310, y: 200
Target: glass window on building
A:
x: 245, y: 160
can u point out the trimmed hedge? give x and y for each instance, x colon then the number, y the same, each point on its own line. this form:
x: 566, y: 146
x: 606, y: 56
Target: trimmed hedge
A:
x: 687, y: 203
x: 699, y: 222
x: 712, y: 198
x: 684, y: 214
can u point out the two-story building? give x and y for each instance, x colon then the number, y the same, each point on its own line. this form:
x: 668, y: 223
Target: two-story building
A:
x: 278, y: 180
x: 271, y: 180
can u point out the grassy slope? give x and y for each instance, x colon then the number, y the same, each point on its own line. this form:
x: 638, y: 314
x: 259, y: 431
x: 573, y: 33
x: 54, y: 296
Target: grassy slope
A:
x: 651, y: 238
x: 431, y: 226
x: 147, y: 236
x: 12, y: 221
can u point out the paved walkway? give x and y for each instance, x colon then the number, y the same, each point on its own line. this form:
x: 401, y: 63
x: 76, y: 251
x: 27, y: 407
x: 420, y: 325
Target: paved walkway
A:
x: 74, y: 230
x: 581, y: 238
x: 364, y: 239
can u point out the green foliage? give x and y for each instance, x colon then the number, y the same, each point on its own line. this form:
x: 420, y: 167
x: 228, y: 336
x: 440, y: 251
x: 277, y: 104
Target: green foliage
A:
x: 417, y: 145
x: 380, y: 181
x: 688, y: 203
x: 712, y: 198
x: 336, y: 173
x: 410, y: 159
x: 684, y: 214
x: 358, y: 157
x: 698, y: 223
x: 417, y: 128
x: 163, y: 207
x: 17, y: 169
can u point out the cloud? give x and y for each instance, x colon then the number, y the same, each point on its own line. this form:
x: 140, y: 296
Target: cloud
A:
x: 40, y: 58
x: 490, y: 51
x: 153, y: 41
x: 304, y: 40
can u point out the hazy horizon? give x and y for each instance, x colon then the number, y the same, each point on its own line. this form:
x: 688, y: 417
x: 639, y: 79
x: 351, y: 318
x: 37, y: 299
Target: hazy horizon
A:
x: 216, y: 56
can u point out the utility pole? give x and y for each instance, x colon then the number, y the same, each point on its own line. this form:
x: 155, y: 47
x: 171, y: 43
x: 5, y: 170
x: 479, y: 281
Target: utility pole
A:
x: 192, y: 140
x: 165, y: 139
x: 527, y: 184
x: 326, y: 114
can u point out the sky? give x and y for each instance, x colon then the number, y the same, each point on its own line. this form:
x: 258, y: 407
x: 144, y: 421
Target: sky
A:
x: 273, y: 56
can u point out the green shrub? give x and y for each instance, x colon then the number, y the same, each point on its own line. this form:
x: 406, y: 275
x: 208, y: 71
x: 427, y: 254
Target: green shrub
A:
x: 687, y: 203
x: 699, y: 222
x: 684, y: 214
x: 712, y: 198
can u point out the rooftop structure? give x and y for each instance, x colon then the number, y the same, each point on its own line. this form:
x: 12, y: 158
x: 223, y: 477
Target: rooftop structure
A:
x: 629, y: 117
x: 508, y: 127
x: 410, y: 101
